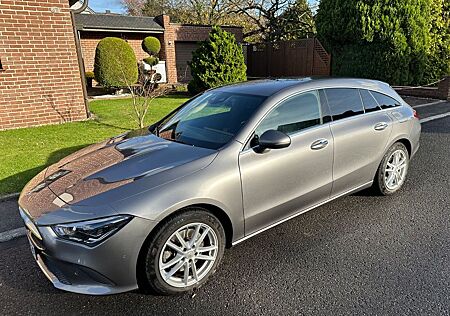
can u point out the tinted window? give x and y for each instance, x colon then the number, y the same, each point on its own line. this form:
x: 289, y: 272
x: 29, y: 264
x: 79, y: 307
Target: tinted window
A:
x: 296, y: 113
x: 210, y: 120
x: 370, y: 104
x: 326, y: 115
x: 384, y: 101
x: 344, y: 102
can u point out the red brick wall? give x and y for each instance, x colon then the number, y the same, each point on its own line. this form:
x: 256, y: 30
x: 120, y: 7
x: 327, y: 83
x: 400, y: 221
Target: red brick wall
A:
x: 40, y: 82
x: 168, y: 51
x: 89, y: 41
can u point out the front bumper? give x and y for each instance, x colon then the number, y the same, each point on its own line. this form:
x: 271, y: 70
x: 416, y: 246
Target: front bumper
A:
x: 107, y: 268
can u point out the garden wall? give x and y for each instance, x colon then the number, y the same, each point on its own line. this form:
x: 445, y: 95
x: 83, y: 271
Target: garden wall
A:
x: 442, y: 91
x: 40, y: 80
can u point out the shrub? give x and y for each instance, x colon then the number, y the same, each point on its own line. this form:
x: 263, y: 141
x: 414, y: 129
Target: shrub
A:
x: 115, y: 63
x: 151, y: 45
x: 151, y: 60
x: 90, y: 75
x: 399, y: 41
x: 219, y: 60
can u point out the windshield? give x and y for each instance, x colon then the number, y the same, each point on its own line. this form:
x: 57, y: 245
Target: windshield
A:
x: 210, y: 120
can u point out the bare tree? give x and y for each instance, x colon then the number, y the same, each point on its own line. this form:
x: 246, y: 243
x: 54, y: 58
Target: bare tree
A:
x: 133, y: 7
x: 263, y: 20
x: 272, y: 17
x: 144, y: 93
x: 184, y: 11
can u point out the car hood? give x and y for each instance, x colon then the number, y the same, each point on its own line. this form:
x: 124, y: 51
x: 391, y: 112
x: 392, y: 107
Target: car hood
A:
x: 108, y: 165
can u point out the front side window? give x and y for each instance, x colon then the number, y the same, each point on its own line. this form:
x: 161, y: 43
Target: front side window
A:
x: 210, y: 120
x: 344, y: 102
x: 293, y: 115
x: 384, y: 101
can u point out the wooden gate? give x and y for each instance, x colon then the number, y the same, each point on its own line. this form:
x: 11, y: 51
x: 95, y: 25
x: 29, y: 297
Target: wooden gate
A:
x: 305, y: 57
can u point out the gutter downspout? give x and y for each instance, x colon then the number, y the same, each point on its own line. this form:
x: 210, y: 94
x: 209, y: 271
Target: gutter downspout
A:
x: 80, y: 55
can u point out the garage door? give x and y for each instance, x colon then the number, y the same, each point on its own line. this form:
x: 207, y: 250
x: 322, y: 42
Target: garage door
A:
x: 183, y: 53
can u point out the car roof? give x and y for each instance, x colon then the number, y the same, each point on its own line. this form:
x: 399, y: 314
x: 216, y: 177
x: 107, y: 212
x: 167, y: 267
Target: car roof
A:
x: 270, y: 87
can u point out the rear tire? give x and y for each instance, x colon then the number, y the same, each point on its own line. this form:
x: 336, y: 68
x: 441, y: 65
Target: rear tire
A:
x: 194, y: 241
x: 393, y: 169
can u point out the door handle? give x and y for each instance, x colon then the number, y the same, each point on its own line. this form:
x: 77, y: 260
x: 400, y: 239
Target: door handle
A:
x: 319, y: 144
x: 381, y: 126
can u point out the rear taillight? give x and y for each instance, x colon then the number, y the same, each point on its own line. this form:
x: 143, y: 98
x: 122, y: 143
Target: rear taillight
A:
x: 416, y: 115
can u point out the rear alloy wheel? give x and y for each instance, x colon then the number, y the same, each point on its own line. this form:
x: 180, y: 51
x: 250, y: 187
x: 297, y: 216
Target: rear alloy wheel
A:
x: 391, y: 174
x: 184, y: 252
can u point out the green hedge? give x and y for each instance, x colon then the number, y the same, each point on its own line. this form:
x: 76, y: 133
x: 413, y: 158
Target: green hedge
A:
x: 398, y: 41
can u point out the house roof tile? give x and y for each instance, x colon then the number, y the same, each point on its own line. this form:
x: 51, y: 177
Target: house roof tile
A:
x: 116, y: 22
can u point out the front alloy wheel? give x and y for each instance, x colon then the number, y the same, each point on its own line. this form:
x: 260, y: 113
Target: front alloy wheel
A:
x: 188, y: 255
x: 182, y: 253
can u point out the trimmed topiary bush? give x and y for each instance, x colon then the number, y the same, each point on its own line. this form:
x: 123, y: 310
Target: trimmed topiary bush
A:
x: 115, y: 63
x: 151, y: 45
x: 151, y: 60
x: 219, y: 60
x: 90, y: 75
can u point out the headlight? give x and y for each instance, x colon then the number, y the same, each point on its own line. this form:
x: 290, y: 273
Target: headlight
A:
x: 91, y: 232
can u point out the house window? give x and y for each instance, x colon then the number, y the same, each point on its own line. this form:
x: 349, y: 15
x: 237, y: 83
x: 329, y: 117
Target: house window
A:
x: 1, y: 65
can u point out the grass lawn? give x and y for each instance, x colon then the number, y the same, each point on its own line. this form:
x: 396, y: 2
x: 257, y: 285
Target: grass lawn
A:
x: 25, y: 152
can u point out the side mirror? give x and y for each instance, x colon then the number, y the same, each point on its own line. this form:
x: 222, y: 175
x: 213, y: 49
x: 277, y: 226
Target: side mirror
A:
x: 273, y: 139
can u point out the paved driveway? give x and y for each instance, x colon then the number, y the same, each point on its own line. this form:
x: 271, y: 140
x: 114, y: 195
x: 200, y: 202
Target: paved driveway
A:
x: 360, y: 254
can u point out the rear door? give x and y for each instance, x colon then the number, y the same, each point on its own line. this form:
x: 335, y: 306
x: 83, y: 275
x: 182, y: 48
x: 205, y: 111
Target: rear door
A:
x: 361, y: 131
x: 281, y: 182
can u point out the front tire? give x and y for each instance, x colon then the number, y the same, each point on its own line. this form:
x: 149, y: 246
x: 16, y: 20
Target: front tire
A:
x: 391, y: 173
x: 183, y: 253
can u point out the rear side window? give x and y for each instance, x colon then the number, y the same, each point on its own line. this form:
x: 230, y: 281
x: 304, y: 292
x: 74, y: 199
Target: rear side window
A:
x: 370, y: 104
x: 344, y: 102
x: 384, y: 101
x: 293, y: 115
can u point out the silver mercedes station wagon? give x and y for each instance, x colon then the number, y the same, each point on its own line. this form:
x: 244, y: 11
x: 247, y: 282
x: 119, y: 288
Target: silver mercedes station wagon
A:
x: 155, y: 208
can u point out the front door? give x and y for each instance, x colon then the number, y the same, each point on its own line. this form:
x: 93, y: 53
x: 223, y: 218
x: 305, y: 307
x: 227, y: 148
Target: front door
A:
x: 278, y: 183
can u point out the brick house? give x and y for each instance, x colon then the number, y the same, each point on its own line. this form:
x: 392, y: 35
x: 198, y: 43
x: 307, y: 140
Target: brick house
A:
x: 40, y: 80
x: 177, y: 40
x: 45, y: 48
